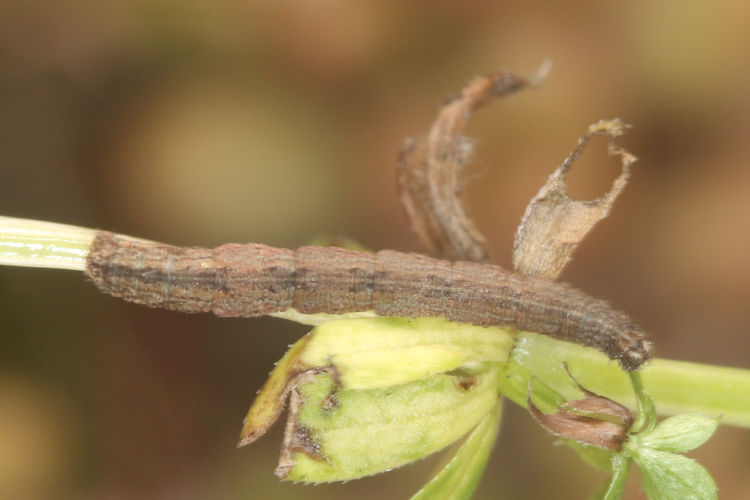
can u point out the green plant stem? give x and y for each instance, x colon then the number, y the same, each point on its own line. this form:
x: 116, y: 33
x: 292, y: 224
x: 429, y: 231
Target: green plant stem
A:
x: 676, y: 387
x: 645, y: 411
x: 33, y: 243
x: 620, y: 469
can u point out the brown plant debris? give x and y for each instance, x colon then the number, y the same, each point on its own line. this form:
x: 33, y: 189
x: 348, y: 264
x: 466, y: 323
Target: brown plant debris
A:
x: 429, y: 170
x: 592, y: 420
x: 554, y: 223
x: 272, y: 399
x: 297, y: 437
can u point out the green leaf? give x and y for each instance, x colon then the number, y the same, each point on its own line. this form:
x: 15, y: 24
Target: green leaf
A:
x: 354, y: 433
x: 680, y: 433
x: 667, y: 476
x: 459, y: 477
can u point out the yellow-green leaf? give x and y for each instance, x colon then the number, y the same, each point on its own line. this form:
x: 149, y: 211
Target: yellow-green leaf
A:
x: 355, y: 433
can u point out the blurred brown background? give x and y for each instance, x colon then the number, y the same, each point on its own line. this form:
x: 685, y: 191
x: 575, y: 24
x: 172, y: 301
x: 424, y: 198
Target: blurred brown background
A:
x: 205, y: 122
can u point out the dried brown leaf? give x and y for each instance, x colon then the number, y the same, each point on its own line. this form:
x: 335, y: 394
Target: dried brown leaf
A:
x: 592, y: 420
x: 584, y: 429
x: 429, y: 170
x: 554, y: 223
x: 599, y: 406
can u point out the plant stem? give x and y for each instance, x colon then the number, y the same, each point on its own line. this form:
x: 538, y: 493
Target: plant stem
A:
x: 645, y: 410
x: 33, y: 243
x: 620, y: 470
x: 675, y: 386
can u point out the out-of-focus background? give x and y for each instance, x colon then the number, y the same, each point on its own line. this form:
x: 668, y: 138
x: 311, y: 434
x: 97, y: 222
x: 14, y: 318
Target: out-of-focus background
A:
x: 206, y: 122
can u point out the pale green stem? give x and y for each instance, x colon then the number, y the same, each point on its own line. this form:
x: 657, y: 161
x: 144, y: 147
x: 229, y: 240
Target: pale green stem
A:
x: 620, y: 469
x: 33, y: 243
x: 645, y: 419
x: 676, y: 387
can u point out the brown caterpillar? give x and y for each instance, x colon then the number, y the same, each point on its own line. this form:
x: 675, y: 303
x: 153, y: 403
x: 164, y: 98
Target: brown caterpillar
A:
x: 254, y: 279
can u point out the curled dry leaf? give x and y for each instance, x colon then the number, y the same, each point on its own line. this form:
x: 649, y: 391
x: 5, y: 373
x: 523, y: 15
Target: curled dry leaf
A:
x: 595, y: 403
x: 554, y: 223
x: 429, y: 169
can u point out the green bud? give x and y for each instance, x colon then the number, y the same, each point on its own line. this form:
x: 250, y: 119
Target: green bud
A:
x: 370, y: 394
